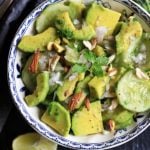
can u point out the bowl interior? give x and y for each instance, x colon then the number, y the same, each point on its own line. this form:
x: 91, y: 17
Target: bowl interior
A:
x: 33, y: 114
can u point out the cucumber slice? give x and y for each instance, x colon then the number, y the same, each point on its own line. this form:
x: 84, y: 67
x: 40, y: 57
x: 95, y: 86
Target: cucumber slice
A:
x: 134, y: 93
x: 32, y: 141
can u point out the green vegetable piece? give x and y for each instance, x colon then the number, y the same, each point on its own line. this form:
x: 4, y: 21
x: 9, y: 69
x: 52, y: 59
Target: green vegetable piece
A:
x: 86, y: 121
x: 97, y: 86
x: 79, y: 68
x: 64, y: 91
x: 58, y: 118
x: 71, y: 55
x: 86, y: 33
x: 98, y: 16
x: 127, y: 40
x: 145, y: 43
x: 31, y: 43
x: 66, y: 28
x: 83, y: 85
x: 122, y: 117
x: 41, y: 90
x: 99, y: 51
x: 47, y: 17
x: 76, y: 9
x: 133, y: 93
x: 28, y: 78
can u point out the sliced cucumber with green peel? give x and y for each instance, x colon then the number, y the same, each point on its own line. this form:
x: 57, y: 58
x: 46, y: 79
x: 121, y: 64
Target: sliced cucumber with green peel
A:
x: 134, y: 93
x: 41, y: 90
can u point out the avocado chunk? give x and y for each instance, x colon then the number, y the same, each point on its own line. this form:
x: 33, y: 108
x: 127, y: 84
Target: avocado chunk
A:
x: 86, y: 122
x: 134, y: 93
x: 97, y: 16
x: 28, y: 78
x: 31, y: 43
x: 47, y: 17
x: 86, y: 33
x: 64, y: 91
x: 41, y: 90
x: 83, y: 85
x: 127, y: 40
x: 99, y: 51
x: 82, y: 90
x: 58, y: 118
x: 71, y: 55
x: 97, y: 86
x: 66, y: 28
x: 121, y: 116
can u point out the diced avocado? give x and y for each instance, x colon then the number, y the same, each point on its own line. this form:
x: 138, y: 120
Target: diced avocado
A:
x: 121, y: 116
x: 81, y: 76
x: 133, y: 93
x: 41, y: 90
x: 28, y: 78
x: 99, y: 51
x: 83, y: 85
x: 97, y: 86
x: 86, y: 33
x: 47, y: 17
x: 76, y: 9
x: 71, y: 55
x: 31, y: 43
x: 65, y: 90
x: 58, y: 118
x: 66, y: 28
x: 127, y: 40
x: 86, y: 122
x: 98, y: 16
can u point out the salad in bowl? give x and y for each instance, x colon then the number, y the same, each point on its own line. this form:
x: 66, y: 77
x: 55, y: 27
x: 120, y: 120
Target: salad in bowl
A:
x: 84, y: 70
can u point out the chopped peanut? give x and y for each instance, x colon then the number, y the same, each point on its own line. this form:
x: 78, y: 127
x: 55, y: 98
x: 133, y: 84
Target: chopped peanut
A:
x: 111, y: 125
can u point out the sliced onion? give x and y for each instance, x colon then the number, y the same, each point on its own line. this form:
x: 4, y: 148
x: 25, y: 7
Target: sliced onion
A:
x: 100, y: 33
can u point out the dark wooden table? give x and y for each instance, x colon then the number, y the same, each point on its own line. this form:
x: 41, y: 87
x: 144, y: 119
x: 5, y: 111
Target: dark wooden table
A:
x: 11, y: 122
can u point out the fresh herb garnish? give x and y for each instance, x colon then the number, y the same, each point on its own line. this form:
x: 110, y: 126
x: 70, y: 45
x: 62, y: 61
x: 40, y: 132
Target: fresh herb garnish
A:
x: 66, y: 33
x: 79, y: 68
x: 90, y: 56
x: 97, y: 70
x: 96, y: 64
x: 102, y: 60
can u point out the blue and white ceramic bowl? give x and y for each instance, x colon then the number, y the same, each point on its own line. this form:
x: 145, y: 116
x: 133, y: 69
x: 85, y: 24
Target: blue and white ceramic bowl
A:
x: 32, y: 114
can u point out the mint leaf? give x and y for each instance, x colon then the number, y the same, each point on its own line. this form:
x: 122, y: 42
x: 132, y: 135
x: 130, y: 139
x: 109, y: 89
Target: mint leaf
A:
x: 90, y: 56
x: 97, y: 70
x: 79, y: 68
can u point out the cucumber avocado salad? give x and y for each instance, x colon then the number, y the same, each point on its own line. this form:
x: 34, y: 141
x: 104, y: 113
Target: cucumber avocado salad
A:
x: 87, y: 68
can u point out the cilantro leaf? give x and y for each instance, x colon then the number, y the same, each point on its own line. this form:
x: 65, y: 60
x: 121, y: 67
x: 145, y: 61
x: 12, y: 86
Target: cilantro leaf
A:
x: 102, y: 60
x: 79, y: 68
x: 97, y: 70
x: 65, y: 33
x: 90, y: 56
